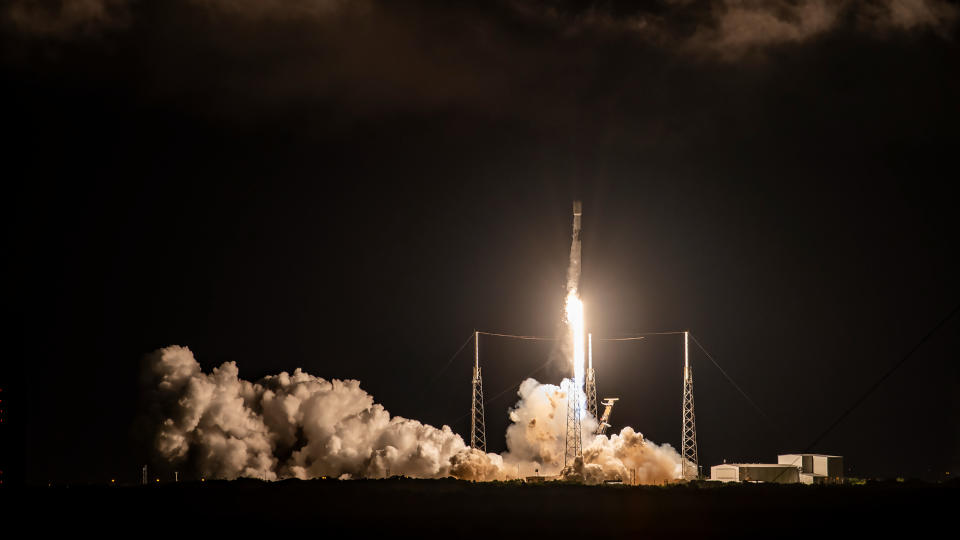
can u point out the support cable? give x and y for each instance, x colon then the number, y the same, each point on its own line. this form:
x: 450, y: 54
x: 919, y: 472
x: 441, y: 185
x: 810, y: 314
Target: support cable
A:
x: 732, y: 382
x: 452, y: 358
x: 502, y: 393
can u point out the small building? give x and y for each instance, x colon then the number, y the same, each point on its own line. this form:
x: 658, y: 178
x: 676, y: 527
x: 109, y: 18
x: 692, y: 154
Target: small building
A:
x: 815, y: 468
x: 755, y: 472
x: 789, y: 469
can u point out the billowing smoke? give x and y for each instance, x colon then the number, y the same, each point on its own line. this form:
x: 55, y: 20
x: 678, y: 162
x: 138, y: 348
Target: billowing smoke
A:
x: 301, y: 426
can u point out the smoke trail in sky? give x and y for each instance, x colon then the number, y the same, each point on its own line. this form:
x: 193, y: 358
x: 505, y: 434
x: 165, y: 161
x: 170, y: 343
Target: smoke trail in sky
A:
x: 301, y: 426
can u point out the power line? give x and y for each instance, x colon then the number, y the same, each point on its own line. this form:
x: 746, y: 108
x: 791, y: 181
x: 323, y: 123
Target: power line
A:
x: 882, y: 378
x: 536, y: 338
x: 642, y: 335
x: 877, y: 384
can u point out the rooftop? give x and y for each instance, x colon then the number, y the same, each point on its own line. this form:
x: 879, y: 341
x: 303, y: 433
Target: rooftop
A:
x: 754, y: 465
x: 817, y: 455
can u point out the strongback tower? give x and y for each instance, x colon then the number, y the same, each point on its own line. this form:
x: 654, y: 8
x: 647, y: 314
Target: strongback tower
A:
x: 689, y: 440
x: 478, y: 431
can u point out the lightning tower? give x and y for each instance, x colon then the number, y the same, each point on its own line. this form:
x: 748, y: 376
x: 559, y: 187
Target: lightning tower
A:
x: 478, y: 430
x: 591, y: 382
x: 689, y: 441
x: 573, y: 447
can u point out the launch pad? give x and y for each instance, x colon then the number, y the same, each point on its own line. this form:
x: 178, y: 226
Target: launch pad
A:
x: 581, y: 390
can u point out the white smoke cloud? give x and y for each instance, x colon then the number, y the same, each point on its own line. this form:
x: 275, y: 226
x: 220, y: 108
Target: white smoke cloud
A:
x: 301, y: 426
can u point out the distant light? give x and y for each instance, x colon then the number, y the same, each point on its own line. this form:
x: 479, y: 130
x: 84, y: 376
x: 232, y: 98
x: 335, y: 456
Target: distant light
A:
x: 112, y: 480
x: 203, y: 479
x: 158, y: 479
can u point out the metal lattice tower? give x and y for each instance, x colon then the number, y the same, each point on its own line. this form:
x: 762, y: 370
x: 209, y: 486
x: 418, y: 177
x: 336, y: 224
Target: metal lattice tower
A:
x: 591, y: 382
x: 573, y: 446
x: 478, y: 430
x: 689, y: 441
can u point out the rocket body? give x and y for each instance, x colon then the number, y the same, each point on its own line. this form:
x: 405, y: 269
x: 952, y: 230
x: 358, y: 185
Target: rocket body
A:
x: 573, y: 273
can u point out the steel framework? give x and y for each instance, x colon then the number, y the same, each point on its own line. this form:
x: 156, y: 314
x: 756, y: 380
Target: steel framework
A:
x: 689, y: 440
x: 573, y: 446
x: 478, y: 430
x: 591, y: 382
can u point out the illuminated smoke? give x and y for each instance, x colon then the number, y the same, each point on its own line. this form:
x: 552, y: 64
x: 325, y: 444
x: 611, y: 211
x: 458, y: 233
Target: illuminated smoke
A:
x: 286, y: 426
x: 301, y: 426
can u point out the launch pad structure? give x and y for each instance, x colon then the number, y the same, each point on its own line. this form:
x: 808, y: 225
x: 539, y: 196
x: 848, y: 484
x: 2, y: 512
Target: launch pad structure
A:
x: 573, y: 444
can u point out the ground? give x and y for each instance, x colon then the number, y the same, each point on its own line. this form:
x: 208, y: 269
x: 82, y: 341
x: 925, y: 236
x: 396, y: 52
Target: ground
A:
x: 405, y: 507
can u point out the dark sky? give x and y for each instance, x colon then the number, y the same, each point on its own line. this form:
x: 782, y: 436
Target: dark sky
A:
x: 353, y: 187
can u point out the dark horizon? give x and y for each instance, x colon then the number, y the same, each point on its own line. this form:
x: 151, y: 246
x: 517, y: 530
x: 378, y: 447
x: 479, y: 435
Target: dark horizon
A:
x: 354, y: 190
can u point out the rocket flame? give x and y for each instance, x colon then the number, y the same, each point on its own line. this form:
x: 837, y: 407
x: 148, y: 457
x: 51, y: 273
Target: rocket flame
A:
x: 574, y: 312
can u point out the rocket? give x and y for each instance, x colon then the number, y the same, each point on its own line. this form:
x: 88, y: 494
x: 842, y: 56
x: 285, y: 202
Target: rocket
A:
x: 577, y: 212
x: 573, y: 274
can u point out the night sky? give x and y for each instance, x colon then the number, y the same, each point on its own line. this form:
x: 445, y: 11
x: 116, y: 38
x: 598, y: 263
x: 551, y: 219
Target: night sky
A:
x: 354, y: 187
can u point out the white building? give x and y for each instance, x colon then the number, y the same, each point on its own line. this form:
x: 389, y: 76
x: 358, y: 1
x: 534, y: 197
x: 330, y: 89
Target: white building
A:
x: 789, y: 469
x: 815, y: 468
x: 755, y: 472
